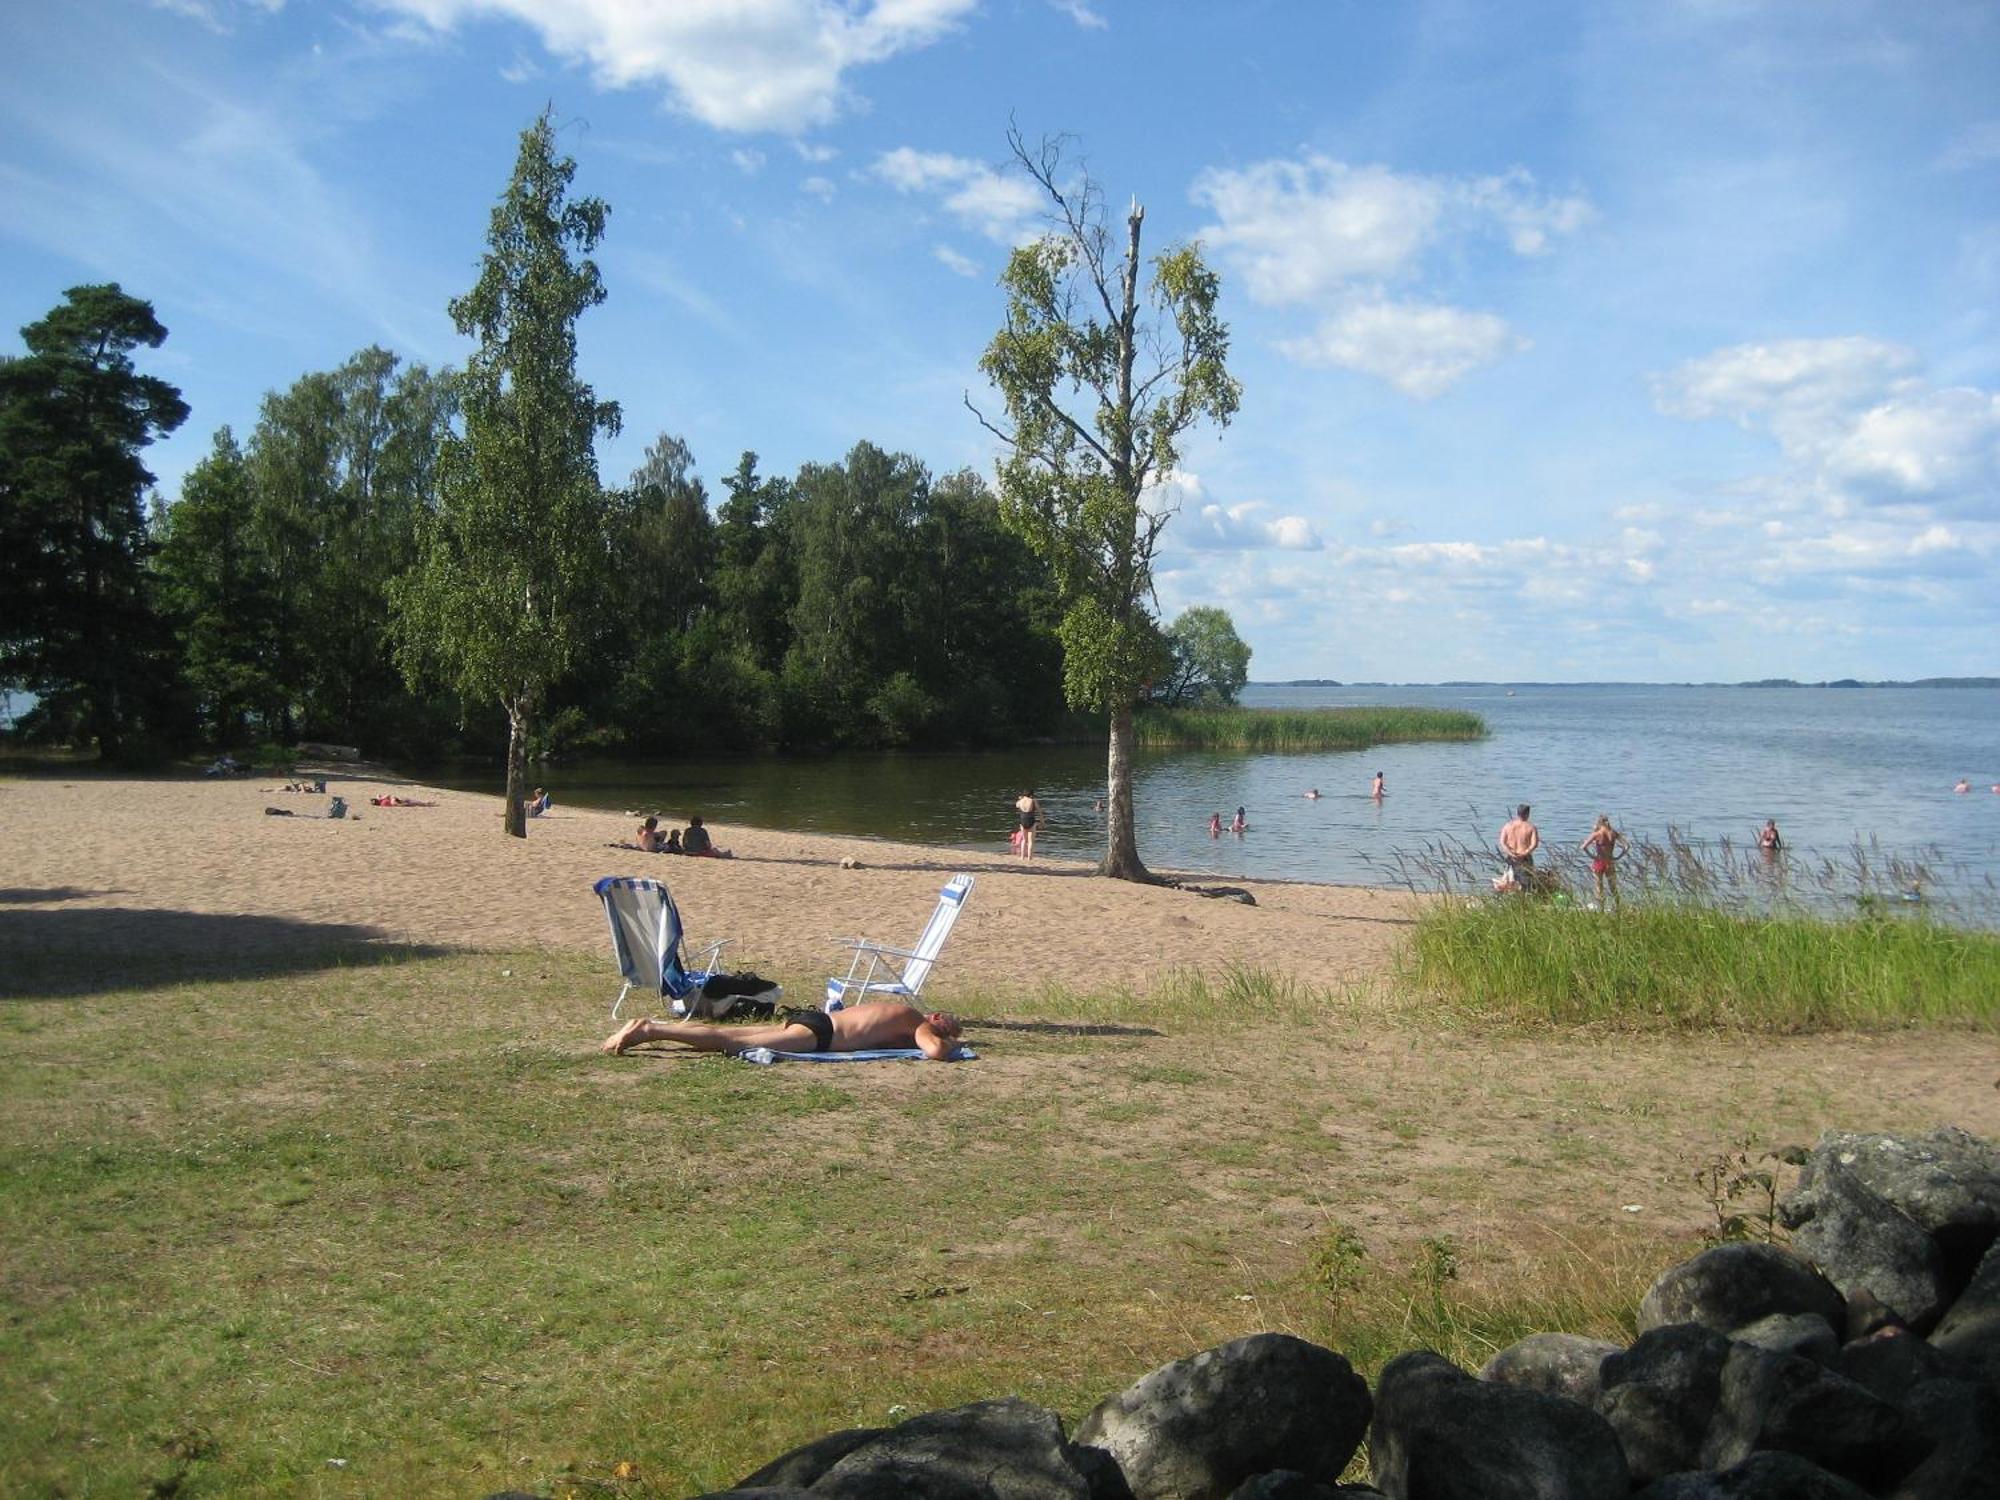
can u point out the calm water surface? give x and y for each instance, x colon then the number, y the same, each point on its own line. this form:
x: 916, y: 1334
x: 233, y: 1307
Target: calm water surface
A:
x: 1832, y: 765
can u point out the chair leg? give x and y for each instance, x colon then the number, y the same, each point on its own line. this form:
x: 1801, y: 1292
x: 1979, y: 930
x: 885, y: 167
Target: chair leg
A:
x: 621, y: 999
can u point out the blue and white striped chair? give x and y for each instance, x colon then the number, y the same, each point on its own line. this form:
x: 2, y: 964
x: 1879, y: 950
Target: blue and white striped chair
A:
x: 646, y: 938
x: 877, y: 969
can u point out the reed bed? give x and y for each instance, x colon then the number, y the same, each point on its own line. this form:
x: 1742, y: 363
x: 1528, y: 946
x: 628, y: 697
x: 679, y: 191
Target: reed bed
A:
x: 1294, y: 729
x: 1709, y: 936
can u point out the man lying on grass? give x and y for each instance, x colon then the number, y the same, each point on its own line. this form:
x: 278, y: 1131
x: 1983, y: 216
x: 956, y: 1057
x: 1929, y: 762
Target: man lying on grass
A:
x: 858, y: 1028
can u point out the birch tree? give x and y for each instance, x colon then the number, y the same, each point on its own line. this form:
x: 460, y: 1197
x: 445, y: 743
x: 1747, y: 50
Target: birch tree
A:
x: 1101, y: 380
x: 512, y: 562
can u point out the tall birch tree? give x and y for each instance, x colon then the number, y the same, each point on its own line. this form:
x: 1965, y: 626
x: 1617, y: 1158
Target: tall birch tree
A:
x: 511, y: 563
x: 1101, y: 380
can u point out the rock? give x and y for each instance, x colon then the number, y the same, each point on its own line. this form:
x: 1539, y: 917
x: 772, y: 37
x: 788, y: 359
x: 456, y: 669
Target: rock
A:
x: 1561, y: 1364
x: 804, y: 1465
x: 1439, y: 1434
x: 1865, y: 1244
x: 759, y: 1492
x: 1733, y: 1285
x: 1788, y: 1403
x: 1197, y: 1428
x: 1792, y: 1333
x: 991, y: 1450
x: 1962, y: 1420
x: 1891, y: 1363
x: 1661, y: 1395
x: 1947, y: 1182
x: 1762, y: 1476
x: 1284, y: 1484
x: 1970, y: 1331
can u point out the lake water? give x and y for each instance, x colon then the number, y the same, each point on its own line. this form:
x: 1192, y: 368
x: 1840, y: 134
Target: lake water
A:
x: 1832, y: 765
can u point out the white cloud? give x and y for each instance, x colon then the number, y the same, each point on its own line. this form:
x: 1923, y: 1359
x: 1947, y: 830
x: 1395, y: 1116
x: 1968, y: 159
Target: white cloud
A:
x: 520, y: 70
x: 816, y: 154
x: 1422, y: 350
x: 821, y: 188
x: 1322, y: 234
x: 775, y: 65
x: 1081, y: 13
x: 964, y: 265
x: 1001, y: 207
x: 1202, y: 525
x: 1854, y: 420
x: 747, y: 160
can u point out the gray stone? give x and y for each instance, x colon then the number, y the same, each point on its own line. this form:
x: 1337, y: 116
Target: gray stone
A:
x: 1733, y: 1285
x: 1970, y: 1332
x: 991, y: 1450
x: 759, y: 1492
x: 1199, y: 1427
x: 1948, y: 1182
x: 1788, y: 1403
x: 1561, y: 1364
x: 1792, y: 1333
x: 1660, y: 1396
x: 1892, y: 1363
x: 803, y: 1465
x: 1865, y: 1244
x: 1439, y: 1434
x: 1762, y: 1476
x: 1284, y: 1484
x: 1962, y: 1421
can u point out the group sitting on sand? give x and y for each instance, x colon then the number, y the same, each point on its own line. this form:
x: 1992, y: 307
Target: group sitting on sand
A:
x: 695, y: 841
x: 856, y: 1028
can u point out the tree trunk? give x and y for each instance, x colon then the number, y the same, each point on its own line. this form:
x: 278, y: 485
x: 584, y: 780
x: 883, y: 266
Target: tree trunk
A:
x: 1121, y: 846
x: 517, y: 768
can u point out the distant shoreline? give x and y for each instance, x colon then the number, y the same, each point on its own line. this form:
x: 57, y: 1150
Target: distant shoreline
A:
x: 1762, y: 682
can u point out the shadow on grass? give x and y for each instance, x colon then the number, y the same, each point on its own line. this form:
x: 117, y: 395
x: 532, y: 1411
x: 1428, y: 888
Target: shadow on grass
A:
x: 1059, y: 1028
x: 49, y: 955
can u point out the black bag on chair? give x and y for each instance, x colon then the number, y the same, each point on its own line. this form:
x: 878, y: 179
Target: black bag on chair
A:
x: 734, y: 997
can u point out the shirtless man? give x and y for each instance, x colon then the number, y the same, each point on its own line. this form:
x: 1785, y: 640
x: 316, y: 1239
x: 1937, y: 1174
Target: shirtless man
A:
x: 857, y: 1028
x: 1518, y: 842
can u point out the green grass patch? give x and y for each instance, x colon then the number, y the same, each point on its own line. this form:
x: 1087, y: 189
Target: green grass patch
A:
x: 1686, y: 966
x: 1299, y: 729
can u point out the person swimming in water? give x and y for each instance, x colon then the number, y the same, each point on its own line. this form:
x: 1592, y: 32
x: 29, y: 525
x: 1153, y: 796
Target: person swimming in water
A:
x: 1378, y: 788
x: 1963, y: 785
x: 1768, y: 838
x: 1215, y: 825
x: 1313, y: 795
x: 1240, y: 824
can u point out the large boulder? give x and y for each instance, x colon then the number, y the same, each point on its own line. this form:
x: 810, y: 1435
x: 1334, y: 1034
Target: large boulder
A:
x: 1440, y: 1434
x: 1762, y: 1476
x: 1961, y: 1420
x: 1970, y: 1332
x: 1199, y: 1427
x: 1660, y: 1396
x: 1865, y: 1244
x: 801, y: 1467
x: 1732, y: 1285
x: 1787, y: 1403
x: 991, y: 1450
x: 1947, y: 1182
x: 1892, y: 1363
x: 1792, y: 1333
x: 1561, y: 1364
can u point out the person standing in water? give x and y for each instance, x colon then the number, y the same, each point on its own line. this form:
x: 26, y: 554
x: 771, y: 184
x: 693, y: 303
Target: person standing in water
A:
x: 1604, y: 845
x: 1378, y: 788
x: 1240, y: 824
x: 1028, y: 812
x: 1768, y: 839
x: 1215, y: 825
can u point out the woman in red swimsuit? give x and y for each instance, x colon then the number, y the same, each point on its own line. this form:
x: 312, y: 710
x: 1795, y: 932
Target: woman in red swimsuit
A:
x: 1604, y: 846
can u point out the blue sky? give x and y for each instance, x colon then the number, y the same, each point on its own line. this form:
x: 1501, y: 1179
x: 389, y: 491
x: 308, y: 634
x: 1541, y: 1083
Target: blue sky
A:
x: 1595, y: 340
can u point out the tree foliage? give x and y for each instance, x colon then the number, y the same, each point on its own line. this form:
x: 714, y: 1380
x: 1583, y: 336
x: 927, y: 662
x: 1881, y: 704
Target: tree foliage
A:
x: 76, y: 622
x: 1100, y: 383
x: 506, y: 583
x: 1207, y: 661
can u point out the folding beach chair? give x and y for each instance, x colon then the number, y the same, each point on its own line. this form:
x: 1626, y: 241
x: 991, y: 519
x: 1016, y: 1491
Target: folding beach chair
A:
x: 880, y: 970
x: 646, y: 937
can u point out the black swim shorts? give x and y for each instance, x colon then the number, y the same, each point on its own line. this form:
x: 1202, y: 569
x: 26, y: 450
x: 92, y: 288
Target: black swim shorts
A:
x: 818, y: 1022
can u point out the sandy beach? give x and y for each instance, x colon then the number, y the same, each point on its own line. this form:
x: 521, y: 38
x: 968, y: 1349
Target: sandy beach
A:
x: 102, y: 865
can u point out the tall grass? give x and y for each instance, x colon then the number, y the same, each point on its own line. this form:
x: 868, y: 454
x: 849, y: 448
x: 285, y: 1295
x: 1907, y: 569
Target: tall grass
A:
x: 1291, y: 729
x: 1685, y: 966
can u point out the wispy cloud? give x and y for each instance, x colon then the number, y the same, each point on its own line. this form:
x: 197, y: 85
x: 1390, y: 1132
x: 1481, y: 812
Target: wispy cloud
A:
x: 964, y: 265
x: 1201, y: 524
x: 1082, y: 14
x: 777, y: 65
x: 1000, y: 206
x: 1325, y: 236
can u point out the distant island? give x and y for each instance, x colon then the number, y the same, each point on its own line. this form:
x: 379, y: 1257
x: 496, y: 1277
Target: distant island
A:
x: 1762, y: 682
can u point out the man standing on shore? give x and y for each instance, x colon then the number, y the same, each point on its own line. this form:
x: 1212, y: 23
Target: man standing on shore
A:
x: 1518, y: 842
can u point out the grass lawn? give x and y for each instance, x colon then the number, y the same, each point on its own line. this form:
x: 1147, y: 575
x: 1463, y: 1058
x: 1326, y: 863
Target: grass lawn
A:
x: 405, y: 1217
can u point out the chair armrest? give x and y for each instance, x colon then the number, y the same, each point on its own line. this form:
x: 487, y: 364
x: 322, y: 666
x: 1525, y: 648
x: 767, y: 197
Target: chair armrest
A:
x: 862, y: 945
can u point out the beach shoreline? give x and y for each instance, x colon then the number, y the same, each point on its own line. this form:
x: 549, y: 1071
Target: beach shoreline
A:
x: 121, y: 867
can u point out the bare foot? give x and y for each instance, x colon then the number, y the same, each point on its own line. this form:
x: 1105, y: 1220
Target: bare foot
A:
x: 628, y: 1035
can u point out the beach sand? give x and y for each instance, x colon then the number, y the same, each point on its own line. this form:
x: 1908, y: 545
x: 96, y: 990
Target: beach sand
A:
x: 130, y: 866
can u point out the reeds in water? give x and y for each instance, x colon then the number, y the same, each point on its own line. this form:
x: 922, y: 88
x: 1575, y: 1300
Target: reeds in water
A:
x: 1301, y: 729
x: 1707, y: 936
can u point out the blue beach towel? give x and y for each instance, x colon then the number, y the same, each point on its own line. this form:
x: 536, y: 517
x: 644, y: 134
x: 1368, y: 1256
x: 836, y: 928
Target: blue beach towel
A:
x: 764, y: 1056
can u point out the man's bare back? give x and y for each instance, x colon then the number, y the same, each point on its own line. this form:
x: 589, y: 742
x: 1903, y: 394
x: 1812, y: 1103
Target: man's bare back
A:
x: 857, y: 1028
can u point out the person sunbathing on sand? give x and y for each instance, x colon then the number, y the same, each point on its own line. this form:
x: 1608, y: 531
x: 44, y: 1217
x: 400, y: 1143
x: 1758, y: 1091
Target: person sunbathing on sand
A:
x: 857, y: 1028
